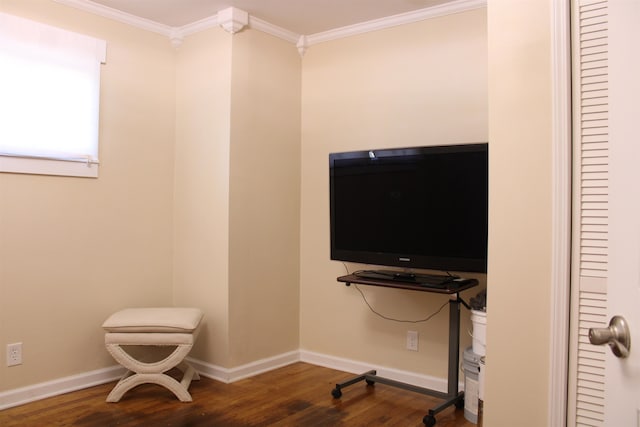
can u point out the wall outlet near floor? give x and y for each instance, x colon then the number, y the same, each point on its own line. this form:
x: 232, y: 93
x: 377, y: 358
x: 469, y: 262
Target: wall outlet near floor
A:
x: 14, y: 354
x: 412, y: 340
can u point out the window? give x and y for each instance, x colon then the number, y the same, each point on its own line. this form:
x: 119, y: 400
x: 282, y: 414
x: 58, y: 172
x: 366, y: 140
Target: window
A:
x: 49, y: 102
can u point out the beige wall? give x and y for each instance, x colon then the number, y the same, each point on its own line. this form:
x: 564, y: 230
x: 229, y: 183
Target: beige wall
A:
x: 178, y: 177
x: 237, y: 193
x: 418, y: 84
x: 201, y: 208
x: 264, y: 230
x: 73, y: 250
x: 520, y: 238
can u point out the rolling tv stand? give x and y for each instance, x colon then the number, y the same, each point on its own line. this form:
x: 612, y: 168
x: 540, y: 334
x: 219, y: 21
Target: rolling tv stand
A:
x: 452, y: 396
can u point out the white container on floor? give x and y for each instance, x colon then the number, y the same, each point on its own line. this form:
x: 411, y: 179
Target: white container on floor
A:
x: 471, y: 366
x: 479, y: 322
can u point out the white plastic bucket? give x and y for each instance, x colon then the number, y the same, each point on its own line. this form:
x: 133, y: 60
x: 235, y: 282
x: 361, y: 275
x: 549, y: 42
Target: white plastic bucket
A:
x: 479, y: 322
x: 471, y: 367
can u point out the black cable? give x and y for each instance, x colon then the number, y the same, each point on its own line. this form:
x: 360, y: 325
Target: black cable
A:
x: 364, y: 298
x: 399, y: 320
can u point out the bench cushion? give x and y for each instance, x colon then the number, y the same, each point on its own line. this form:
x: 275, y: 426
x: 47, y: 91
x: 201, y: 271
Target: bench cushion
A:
x: 154, y: 319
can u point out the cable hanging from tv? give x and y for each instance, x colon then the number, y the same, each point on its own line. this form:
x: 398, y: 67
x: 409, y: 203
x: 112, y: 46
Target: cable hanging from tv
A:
x: 426, y: 319
x: 374, y: 311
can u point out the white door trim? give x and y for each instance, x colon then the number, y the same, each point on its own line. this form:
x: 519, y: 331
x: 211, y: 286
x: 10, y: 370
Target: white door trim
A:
x: 561, y: 212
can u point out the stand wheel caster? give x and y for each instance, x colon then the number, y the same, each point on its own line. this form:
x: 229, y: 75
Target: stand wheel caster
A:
x: 370, y: 382
x: 459, y: 403
x: 429, y: 420
x: 336, y: 393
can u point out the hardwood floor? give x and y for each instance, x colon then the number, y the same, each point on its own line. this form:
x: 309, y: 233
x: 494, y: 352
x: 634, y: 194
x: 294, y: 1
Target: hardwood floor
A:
x: 296, y: 395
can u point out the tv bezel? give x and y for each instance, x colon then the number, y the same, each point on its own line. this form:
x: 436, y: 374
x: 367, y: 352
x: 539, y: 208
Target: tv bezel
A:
x: 406, y: 261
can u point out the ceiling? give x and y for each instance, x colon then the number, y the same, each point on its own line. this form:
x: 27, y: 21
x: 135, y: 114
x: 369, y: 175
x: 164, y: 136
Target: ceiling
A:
x: 298, y: 16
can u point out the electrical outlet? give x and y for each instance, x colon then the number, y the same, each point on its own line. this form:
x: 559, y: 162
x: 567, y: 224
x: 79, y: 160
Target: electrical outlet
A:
x: 14, y: 354
x: 412, y: 340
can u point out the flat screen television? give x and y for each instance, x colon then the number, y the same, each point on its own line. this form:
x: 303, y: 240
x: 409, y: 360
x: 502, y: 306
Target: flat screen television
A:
x: 417, y: 208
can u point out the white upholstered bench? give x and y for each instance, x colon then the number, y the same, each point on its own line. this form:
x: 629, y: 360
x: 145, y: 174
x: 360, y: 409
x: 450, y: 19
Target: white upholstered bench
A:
x: 134, y: 336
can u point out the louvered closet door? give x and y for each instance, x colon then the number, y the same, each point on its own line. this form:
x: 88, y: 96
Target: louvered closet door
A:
x: 591, y: 214
x: 604, y: 390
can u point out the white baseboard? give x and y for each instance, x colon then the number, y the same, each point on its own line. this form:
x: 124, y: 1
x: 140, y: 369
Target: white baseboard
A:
x: 56, y: 387
x: 357, y: 367
x: 20, y: 396
x: 229, y: 375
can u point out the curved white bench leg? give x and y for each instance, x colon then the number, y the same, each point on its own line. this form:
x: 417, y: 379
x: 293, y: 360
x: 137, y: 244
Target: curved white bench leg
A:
x: 188, y: 370
x: 129, y: 382
x: 132, y: 364
x: 143, y: 372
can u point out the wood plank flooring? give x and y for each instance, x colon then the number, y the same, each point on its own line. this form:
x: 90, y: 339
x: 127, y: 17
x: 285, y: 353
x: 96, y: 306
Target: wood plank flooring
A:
x: 295, y: 395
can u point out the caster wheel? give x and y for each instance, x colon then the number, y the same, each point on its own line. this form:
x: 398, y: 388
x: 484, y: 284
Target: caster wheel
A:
x: 459, y: 403
x: 336, y: 393
x: 429, y: 420
x: 369, y: 382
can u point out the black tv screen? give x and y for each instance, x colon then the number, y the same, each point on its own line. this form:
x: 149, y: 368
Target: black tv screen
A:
x: 418, y: 208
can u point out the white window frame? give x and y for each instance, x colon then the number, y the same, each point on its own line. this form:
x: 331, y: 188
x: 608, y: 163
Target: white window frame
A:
x: 19, y: 35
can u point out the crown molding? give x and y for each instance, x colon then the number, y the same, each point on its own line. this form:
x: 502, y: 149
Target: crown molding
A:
x: 126, y: 18
x: 234, y: 20
x: 255, y: 23
x: 274, y: 30
x: 395, y: 20
x: 196, y: 27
